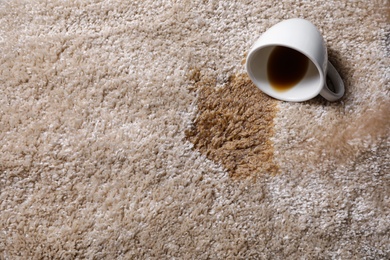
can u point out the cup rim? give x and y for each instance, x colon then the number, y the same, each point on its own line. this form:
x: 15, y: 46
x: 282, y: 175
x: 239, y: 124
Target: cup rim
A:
x: 275, y: 94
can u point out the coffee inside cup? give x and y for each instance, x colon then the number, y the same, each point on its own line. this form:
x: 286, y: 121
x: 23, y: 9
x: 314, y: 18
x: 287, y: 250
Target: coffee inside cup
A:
x: 286, y: 67
x: 287, y: 77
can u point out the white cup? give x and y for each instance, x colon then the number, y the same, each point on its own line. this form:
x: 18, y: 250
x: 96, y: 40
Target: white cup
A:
x: 302, y: 36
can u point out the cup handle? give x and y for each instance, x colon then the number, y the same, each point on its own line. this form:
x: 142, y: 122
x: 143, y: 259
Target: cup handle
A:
x: 337, y: 83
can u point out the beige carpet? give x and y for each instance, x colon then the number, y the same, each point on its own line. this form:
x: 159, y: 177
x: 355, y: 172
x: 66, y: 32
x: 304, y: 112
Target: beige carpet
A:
x: 129, y: 130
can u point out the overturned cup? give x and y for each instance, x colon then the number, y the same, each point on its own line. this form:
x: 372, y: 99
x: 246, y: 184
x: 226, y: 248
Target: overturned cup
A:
x: 290, y: 62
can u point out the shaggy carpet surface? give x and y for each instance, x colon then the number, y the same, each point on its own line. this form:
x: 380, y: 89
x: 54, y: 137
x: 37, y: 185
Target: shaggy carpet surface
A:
x: 130, y: 130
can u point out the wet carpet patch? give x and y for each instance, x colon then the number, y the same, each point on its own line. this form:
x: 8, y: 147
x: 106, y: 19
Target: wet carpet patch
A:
x: 234, y: 125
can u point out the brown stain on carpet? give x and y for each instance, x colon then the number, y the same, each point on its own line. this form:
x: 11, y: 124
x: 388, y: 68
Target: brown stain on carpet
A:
x: 234, y: 125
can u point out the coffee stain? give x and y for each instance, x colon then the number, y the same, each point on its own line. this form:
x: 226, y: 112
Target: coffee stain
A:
x: 234, y: 125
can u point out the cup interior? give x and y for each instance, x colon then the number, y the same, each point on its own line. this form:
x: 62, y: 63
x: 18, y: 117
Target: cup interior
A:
x: 306, y: 88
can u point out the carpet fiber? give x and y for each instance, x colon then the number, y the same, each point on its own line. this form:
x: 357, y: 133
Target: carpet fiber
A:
x: 130, y: 130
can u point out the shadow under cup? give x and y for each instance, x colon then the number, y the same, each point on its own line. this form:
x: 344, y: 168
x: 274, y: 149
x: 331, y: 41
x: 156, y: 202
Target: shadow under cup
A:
x: 306, y: 88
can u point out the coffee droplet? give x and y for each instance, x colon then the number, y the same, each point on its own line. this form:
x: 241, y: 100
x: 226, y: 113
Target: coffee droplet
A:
x: 286, y: 67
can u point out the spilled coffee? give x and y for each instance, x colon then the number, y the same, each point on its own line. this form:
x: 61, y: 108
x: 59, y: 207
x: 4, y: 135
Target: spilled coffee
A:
x: 286, y: 67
